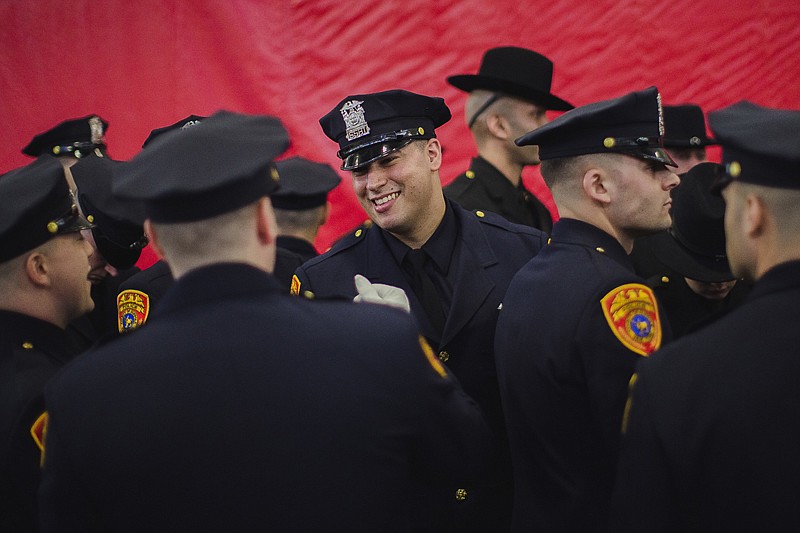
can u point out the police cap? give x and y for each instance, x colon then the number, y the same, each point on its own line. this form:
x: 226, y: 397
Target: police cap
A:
x: 370, y: 126
x: 182, y: 124
x: 760, y: 145
x: 118, y: 231
x: 215, y: 167
x: 304, y: 184
x: 35, y: 206
x: 76, y: 137
x: 685, y: 127
x: 631, y: 124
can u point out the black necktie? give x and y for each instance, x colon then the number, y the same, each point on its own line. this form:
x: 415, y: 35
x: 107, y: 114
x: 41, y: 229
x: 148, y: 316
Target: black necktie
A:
x: 425, y: 289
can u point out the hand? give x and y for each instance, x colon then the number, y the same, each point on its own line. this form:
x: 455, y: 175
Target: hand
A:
x: 378, y: 293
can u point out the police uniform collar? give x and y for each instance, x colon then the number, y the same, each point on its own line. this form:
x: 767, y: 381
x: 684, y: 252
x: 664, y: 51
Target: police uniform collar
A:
x: 494, y: 179
x: 212, y: 283
x: 46, y: 337
x: 577, y: 232
x: 779, y: 278
x: 439, y: 246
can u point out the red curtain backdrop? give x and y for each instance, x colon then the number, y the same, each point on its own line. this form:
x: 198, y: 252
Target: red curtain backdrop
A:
x: 145, y: 64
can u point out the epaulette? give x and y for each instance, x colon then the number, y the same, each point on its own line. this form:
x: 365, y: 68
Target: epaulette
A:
x: 493, y: 219
x: 344, y: 242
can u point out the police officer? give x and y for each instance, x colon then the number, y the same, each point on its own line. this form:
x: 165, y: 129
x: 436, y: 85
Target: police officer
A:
x: 453, y: 265
x: 685, y: 136
x: 712, y: 437
x: 576, y: 318
x: 301, y: 204
x: 686, y: 140
x: 44, y: 267
x: 508, y: 97
x: 117, y: 239
x: 695, y: 284
x: 140, y: 294
x: 71, y: 140
x: 242, y: 408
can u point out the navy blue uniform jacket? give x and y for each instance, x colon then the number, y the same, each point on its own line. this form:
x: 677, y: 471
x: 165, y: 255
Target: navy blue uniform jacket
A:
x: 31, y: 352
x: 489, y: 252
x: 242, y: 408
x: 714, y: 427
x: 564, y: 375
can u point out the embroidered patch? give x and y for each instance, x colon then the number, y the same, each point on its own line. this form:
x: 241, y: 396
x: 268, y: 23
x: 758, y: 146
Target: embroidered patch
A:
x: 133, y: 307
x: 355, y: 124
x: 38, y: 432
x: 632, y: 313
x: 295, y: 289
x: 432, y: 359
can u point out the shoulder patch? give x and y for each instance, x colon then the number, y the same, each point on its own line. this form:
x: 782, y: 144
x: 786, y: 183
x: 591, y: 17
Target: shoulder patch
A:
x: 133, y: 308
x: 38, y: 432
x: 432, y: 359
x: 295, y: 288
x: 632, y: 313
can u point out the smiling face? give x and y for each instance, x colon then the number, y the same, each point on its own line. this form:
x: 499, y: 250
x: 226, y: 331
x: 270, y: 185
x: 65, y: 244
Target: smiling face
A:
x: 401, y: 192
x: 641, y: 196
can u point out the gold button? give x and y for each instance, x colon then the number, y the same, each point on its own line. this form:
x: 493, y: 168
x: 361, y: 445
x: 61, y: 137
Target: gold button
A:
x: 308, y: 294
x: 480, y: 214
x: 56, y: 150
x: 664, y: 279
x: 470, y: 175
x: 461, y: 494
x: 421, y: 130
x: 444, y: 356
x: 734, y: 169
x: 359, y: 232
x: 27, y: 346
x: 274, y: 173
x: 548, y: 240
x: 52, y: 227
x: 601, y: 250
x: 90, y: 218
x: 609, y: 142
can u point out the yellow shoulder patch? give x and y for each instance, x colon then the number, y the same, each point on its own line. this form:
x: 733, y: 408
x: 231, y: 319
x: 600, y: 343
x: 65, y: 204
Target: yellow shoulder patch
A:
x: 38, y: 432
x: 295, y: 289
x: 432, y: 359
x: 133, y: 308
x: 632, y: 313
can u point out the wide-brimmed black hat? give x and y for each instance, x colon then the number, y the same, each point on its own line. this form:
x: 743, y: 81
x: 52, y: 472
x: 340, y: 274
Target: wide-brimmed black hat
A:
x: 685, y: 127
x: 695, y: 244
x: 517, y: 72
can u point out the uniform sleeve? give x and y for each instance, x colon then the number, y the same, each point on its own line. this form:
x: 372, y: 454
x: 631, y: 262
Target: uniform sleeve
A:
x: 643, y: 499
x: 63, y: 505
x: 453, y: 441
x: 300, y: 282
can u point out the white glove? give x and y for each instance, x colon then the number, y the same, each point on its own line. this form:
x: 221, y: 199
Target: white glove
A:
x: 378, y: 293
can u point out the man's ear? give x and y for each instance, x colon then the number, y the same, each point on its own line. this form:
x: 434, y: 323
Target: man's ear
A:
x: 755, y: 216
x: 152, y: 237
x: 37, y: 268
x: 266, y: 226
x: 595, y: 185
x: 434, y: 153
x: 498, y: 126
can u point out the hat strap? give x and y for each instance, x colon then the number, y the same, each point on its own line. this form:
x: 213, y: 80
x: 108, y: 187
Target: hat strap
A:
x: 489, y: 101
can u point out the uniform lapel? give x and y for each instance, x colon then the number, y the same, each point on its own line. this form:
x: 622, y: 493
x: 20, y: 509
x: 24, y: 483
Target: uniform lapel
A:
x: 472, y: 286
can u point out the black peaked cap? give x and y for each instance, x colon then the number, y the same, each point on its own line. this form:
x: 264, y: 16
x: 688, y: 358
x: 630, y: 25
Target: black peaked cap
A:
x: 188, y: 122
x: 304, y: 184
x: 77, y: 137
x: 215, y: 167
